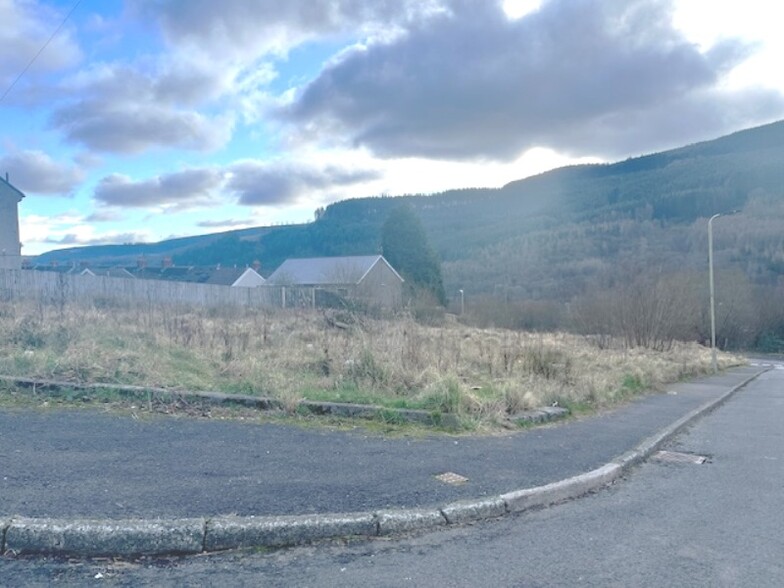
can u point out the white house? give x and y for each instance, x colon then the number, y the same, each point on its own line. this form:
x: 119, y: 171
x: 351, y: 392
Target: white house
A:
x: 366, y: 278
x: 10, y: 247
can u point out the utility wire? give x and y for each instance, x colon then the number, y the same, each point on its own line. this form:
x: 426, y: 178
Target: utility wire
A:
x: 41, y: 50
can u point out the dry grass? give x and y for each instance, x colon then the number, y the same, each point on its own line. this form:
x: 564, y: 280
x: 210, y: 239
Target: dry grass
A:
x: 482, y: 374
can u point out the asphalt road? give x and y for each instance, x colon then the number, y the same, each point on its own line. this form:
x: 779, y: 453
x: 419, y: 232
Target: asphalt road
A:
x: 666, y: 524
x: 86, y: 463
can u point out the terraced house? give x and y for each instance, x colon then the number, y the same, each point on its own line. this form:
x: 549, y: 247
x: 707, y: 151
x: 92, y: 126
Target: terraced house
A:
x: 10, y: 247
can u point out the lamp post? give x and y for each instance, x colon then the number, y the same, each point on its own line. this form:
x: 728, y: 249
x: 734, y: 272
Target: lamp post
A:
x: 462, y: 302
x: 714, y: 364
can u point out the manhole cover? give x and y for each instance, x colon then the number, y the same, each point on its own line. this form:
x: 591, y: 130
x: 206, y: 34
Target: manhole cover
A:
x: 676, y: 457
x: 452, y: 478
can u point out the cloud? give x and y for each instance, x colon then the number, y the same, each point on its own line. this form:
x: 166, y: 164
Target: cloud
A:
x: 229, y: 222
x: 254, y: 183
x: 234, y: 29
x: 133, y: 128
x: 472, y: 83
x: 184, y: 189
x: 263, y: 184
x: 36, y: 172
x: 121, y: 109
x: 26, y: 27
x: 103, y: 216
x: 102, y: 239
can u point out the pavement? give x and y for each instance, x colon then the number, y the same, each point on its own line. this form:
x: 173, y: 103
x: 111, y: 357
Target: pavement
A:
x: 89, y: 483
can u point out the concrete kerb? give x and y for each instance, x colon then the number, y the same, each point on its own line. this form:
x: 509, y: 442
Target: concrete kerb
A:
x: 280, y: 531
x: 187, y: 536
x: 93, y: 538
x: 4, y: 524
x: 645, y: 449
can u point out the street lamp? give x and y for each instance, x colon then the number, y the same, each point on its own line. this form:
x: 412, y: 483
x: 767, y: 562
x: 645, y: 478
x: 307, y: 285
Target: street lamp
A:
x: 714, y: 364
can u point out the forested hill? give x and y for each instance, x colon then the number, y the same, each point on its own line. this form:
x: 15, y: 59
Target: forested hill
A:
x: 555, y: 234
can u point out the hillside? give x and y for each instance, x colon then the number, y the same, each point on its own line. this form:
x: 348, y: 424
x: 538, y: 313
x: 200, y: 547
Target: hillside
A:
x: 551, y: 236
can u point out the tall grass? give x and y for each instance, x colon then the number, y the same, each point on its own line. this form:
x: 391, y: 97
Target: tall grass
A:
x: 485, y: 374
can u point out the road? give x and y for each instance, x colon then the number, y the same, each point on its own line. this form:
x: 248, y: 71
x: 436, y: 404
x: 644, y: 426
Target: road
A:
x: 665, y: 524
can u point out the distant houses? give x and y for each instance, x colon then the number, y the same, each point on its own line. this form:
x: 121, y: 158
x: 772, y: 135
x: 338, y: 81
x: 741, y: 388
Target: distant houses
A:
x: 310, y: 282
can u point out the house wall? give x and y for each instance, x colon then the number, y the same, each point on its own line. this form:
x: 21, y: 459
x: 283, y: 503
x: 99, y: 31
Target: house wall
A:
x: 10, y: 249
x: 381, y: 287
x: 249, y: 279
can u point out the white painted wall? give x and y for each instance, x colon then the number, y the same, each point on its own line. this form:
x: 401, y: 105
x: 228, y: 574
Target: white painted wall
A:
x: 10, y: 248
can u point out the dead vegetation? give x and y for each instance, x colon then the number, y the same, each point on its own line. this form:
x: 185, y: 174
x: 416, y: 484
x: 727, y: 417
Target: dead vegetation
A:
x: 483, y: 375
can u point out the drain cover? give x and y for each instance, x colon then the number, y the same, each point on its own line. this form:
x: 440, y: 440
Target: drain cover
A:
x: 452, y: 478
x: 675, y: 457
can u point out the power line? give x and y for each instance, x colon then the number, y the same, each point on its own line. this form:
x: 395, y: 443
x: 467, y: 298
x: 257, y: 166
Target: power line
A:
x: 41, y: 50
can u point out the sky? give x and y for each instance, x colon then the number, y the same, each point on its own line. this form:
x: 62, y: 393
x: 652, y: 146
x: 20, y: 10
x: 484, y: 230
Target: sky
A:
x: 144, y: 120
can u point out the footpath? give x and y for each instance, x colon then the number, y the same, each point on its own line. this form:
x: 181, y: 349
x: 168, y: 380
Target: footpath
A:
x: 88, y: 483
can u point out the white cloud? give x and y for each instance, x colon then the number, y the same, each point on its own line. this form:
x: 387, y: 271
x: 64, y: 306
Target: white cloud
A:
x: 36, y: 172
x: 475, y: 84
x: 26, y: 26
x: 185, y: 189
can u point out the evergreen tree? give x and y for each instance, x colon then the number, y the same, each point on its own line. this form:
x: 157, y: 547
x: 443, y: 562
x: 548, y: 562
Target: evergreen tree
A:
x: 404, y: 244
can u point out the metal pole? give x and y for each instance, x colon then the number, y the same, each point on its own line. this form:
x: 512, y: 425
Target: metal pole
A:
x: 714, y: 364
x: 462, y: 302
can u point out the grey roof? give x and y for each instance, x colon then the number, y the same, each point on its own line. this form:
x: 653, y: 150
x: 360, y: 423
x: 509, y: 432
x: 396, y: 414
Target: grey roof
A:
x: 225, y: 276
x: 114, y: 272
x: 324, y: 271
x: 12, y: 187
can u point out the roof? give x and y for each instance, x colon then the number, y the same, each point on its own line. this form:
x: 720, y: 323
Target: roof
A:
x: 324, y: 271
x: 225, y: 276
x: 4, y: 182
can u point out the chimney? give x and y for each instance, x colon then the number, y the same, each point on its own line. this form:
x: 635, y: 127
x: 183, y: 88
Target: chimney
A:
x: 167, y: 262
x: 256, y: 265
x: 141, y: 262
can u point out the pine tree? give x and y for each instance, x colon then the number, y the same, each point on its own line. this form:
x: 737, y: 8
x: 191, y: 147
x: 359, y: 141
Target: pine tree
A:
x: 405, y: 246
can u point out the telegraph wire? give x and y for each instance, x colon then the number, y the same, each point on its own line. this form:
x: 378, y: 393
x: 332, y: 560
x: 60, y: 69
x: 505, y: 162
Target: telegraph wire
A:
x: 41, y: 50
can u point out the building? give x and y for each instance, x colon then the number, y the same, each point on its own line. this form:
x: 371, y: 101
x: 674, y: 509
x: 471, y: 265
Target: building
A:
x: 10, y: 247
x: 237, y: 277
x: 368, y: 279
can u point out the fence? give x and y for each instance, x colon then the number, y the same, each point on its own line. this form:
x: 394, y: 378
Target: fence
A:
x: 58, y: 288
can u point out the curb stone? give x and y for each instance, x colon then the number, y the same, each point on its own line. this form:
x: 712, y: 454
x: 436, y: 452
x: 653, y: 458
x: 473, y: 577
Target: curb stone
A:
x: 238, y: 532
x: 187, y: 536
x: 465, y: 511
x: 393, y: 522
x: 4, y: 524
x: 527, y: 498
x: 105, y: 537
x: 339, y: 409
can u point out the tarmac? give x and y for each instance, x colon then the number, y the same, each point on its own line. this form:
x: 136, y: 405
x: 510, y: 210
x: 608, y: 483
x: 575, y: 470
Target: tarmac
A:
x: 85, y: 483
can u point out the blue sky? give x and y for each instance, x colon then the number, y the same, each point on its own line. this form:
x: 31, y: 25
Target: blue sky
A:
x: 148, y: 119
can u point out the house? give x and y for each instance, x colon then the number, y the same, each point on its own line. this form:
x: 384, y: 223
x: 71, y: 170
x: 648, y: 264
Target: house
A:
x: 242, y: 277
x: 10, y: 246
x: 110, y: 272
x: 367, y: 278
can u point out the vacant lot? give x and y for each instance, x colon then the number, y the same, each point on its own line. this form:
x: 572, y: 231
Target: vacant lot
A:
x: 484, y: 375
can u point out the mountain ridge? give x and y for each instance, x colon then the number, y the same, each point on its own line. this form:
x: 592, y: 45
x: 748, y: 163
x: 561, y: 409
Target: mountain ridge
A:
x: 550, y: 235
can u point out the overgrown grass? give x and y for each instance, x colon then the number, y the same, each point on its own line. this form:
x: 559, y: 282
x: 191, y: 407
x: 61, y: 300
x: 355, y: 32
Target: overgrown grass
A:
x: 483, y: 375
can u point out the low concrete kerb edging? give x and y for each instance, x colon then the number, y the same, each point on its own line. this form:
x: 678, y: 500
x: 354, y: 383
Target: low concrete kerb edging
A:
x: 128, y: 538
x: 338, y: 409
